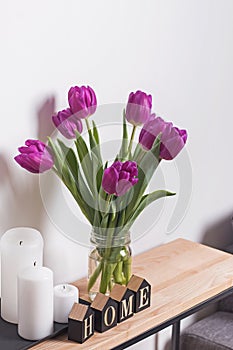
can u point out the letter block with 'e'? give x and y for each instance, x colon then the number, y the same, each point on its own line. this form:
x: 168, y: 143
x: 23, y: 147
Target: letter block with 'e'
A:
x: 125, y: 301
x: 142, y: 292
x: 105, y: 310
x: 80, y: 323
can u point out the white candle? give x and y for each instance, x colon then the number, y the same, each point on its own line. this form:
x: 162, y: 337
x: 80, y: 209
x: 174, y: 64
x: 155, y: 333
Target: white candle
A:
x: 35, y: 303
x: 20, y: 247
x: 65, y: 295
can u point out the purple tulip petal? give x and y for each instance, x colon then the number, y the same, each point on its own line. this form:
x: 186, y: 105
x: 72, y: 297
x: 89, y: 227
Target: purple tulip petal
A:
x: 27, y: 150
x: 134, y: 181
x: 172, y: 138
x: 122, y: 187
x: 171, y: 144
x: 117, y: 165
x: 120, y: 177
x: 150, y: 131
x: 82, y: 101
x: 67, y: 123
x: 138, y: 108
x: 124, y: 175
x: 24, y: 163
x: 109, y: 180
x: 36, y: 157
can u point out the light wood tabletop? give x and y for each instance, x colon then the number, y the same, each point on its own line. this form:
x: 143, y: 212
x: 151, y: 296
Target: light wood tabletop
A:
x: 182, y: 274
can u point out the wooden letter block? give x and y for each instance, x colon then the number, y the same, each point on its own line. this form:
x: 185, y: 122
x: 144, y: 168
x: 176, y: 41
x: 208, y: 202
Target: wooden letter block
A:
x: 142, y: 292
x: 80, y: 323
x: 105, y: 312
x: 125, y: 301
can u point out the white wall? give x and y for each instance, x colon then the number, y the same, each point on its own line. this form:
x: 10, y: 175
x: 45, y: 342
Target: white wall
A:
x: 180, y: 51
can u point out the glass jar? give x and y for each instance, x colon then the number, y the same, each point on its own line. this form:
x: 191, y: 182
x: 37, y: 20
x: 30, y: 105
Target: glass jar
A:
x: 109, y: 262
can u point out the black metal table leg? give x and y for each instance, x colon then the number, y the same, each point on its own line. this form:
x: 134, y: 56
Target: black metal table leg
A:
x: 176, y: 336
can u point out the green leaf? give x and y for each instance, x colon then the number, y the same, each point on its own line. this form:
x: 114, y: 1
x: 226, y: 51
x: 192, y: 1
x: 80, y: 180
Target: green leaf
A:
x: 145, y: 201
x: 139, y: 154
x: 102, y: 196
x: 95, y: 133
x: 137, y: 150
x: 56, y: 155
x: 124, y: 145
x: 96, y: 166
x: 99, y: 178
x: 70, y: 158
x: 146, y: 169
x: 67, y: 170
x: 91, y: 139
x: 84, y: 159
x: 81, y: 147
x: 120, y: 221
x: 94, y: 143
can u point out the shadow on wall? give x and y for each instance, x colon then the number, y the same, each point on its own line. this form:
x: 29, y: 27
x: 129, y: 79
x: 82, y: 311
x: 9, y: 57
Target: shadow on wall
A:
x: 220, y: 233
x: 21, y: 205
x: 21, y: 201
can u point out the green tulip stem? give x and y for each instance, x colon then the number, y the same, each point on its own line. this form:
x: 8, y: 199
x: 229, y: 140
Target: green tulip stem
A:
x: 95, y: 275
x: 87, y: 124
x: 107, y: 202
x: 118, y: 272
x: 127, y: 269
x: 106, y: 276
x: 131, y: 139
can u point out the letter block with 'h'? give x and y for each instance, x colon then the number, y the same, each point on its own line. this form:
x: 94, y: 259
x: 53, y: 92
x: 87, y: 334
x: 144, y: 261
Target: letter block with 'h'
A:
x: 125, y: 301
x: 80, y: 323
x: 105, y: 310
x: 142, y: 292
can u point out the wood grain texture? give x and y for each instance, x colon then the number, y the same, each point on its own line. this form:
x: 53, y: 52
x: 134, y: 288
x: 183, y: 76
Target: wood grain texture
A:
x: 78, y: 312
x: 118, y: 292
x: 99, y: 302
x: 182, y: 274
x: 135, y: 282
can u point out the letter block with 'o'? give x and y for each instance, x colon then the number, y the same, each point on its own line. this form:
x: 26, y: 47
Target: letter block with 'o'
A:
x: 125, y: 301
x: 105, y: 310
x: 142, y: 292
x: 80, y: 323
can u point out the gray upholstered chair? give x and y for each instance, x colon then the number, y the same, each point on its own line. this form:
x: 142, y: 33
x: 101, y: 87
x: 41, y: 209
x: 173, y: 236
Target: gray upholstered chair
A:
x: 214, y: 332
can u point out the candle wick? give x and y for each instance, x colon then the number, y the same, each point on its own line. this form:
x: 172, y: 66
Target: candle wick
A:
x: 64, y: 287
x: 20, y: 242
x: 34, y: 263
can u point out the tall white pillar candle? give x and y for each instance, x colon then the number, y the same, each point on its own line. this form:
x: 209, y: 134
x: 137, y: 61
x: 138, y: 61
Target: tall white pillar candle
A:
x: 65, y: 295
x: 35, y: 303
x: 20, y: 247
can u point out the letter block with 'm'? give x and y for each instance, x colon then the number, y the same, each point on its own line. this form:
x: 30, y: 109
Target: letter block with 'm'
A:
x: 105, y: 310
x: 80, y: 323
x: 125, y: 301
x: 142, y: 292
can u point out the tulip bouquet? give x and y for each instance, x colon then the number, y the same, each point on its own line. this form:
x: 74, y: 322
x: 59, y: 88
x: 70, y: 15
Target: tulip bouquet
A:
x: 111, y: 196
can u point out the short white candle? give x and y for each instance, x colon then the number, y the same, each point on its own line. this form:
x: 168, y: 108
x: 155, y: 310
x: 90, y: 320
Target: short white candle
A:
x: 20, y: 247
x: 65, y: 295
x: 35, y: 303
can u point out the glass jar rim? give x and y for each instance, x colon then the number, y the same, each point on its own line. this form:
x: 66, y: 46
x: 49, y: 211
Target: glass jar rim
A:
x: 110, y: 240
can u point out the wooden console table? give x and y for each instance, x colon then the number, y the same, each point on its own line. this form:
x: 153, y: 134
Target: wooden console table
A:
x: 185, y: 277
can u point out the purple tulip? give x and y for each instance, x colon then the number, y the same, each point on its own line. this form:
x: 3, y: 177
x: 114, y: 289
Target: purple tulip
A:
x: 82, y: 101
x: 120, y: 177
x: 36, y: 157
x: 172, y: 138
x: 67, y: 123
x: 138, y: 108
